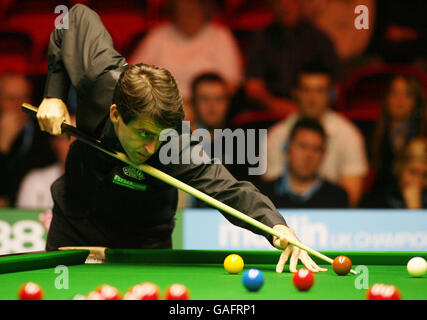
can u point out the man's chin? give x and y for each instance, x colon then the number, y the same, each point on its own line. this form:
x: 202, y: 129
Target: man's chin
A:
x: 306, y: 177
x: 139, y: 160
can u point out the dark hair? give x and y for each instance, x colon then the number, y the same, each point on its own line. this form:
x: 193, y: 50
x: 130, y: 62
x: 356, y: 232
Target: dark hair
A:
x: 143, y: 89
x: 416, y: 149
x: 308, y: 124
x: 311, y: 69
x: 206, y: 77
x: 418, y: 125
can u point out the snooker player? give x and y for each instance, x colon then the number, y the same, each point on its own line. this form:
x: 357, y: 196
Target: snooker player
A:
x: 100, y: 201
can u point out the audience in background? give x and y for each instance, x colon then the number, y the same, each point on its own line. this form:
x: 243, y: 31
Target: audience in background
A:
x: 402, y: 118
x: 22, y: 145
x: 345, y: 160
x: 34, y: 191
x: 410, y: 188
x: 313, y: 156
x: 279, y: 51
x: 300, y: 185
x: 191, y: 44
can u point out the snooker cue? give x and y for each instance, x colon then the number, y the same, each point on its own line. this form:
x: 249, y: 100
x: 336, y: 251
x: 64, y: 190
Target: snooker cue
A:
x: 32, y: 111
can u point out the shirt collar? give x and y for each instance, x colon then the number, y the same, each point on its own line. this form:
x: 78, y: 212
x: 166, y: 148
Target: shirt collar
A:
x: 109, y: 138
x: 283, y: 187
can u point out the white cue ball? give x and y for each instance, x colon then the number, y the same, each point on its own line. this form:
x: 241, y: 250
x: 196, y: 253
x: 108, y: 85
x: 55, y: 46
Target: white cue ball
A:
x: 417, y: 267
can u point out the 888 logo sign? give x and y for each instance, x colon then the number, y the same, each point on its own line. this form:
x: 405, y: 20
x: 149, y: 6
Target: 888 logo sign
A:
x: 21, y: 236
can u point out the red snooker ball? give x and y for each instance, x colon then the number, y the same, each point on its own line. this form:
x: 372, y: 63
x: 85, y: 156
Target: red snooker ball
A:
x: 30, y: 291
x: 381, y: 291
x: 108, y: 292
x: 341, y: 265
x: 143, y: 291
x: 177, y: 292
x: 94, y: 295
x: 303, y: 279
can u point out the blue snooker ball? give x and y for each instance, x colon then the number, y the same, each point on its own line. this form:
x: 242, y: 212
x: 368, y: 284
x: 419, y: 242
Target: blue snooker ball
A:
x: 253, y: 279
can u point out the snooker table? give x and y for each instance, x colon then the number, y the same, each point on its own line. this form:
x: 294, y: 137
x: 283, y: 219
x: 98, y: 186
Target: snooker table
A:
x: 203, y: 273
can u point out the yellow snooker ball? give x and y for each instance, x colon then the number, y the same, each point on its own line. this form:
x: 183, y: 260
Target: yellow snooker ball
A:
x: 233, y: 263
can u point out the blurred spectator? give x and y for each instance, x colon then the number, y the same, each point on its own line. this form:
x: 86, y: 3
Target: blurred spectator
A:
x: 211, y: 101
x: 402, y: 118
x: 34, y: 192
x: 400, y: 32
x: 189, y: 45
x: 409, y: 190
x: 22, y: 145
x: 345, y: 160
x: 210, y: 98
x: 300, y: 185
x: 279, y: 51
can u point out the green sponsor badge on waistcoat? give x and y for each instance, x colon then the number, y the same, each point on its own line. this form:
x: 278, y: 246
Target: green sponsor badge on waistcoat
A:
x: 129, y: 184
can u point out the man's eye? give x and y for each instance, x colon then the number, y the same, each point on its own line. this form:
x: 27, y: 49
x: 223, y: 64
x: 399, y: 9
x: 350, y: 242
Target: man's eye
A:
x: 144, y: 134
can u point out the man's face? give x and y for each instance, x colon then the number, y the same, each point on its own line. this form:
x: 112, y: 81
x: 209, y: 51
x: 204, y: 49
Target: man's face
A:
x: 139, y: 138
x: 312, y: 94
x: 211, y: 103
x: 400, y: 101
x: 14, y: 90
x: 305, y: 154
x: 414, y: 174
x: 189, y: 16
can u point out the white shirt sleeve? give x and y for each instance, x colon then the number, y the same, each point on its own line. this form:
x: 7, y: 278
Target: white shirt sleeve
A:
x: 354, y: 160
x: 27, y: 197
x: 34, y: 192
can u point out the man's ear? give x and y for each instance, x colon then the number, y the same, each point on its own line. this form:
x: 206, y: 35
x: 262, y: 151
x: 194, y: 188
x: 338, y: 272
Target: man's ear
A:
x: 114, y: 114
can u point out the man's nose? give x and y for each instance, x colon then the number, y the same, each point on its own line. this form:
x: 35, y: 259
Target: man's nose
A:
x: 150, y: 147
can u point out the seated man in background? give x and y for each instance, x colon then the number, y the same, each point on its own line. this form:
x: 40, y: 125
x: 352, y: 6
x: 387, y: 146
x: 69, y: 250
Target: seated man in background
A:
x: 34, y: 192
x: 410, y: 190
x: 300, y: 185
x: 210, y: 99
x: 279, y: 51
x: 22, y: 145
x: 345, y: 160
x: 211, y: 102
